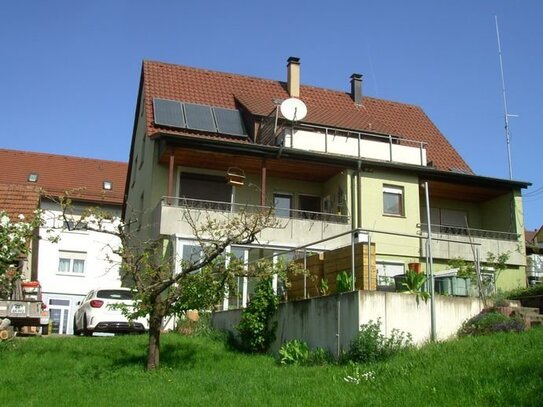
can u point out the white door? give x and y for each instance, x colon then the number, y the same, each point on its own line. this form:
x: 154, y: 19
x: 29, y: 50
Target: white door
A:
x: 59, y: 313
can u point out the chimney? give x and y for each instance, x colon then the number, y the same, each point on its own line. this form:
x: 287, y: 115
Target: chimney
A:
x: 356, y: 88
x: 293, y: 77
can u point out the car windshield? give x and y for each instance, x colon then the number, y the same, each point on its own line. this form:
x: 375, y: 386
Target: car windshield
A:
x: 114, y: 294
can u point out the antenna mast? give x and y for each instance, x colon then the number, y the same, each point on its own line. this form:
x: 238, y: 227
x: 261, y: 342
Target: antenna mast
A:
x: 506, y: 113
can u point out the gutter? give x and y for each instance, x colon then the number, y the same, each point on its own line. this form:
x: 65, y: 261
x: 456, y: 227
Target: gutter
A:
x: 262, y: 151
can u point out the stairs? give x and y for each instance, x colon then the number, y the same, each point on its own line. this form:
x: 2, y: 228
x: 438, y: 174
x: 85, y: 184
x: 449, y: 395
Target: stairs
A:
x: 530, y: 315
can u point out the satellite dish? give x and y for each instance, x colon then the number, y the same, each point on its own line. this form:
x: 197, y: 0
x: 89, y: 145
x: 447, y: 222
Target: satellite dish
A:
x: 293, y: 109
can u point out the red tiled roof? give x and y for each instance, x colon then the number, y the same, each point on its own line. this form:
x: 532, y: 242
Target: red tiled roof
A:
x: 60, y: 173
x: 325, y: 107
x: 19, y: 200
x: 529, y: 236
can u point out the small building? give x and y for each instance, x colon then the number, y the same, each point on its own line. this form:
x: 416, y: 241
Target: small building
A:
x: 80, y: 259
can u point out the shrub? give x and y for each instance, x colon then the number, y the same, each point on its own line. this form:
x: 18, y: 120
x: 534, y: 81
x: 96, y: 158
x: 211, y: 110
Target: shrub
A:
x: 297, y: 352
x: 490, y: 321
x: 344, y: 282
x: 294, y: 352
x: 525, y: 292
x: 200, y: 328
x: 370, y: 345
x: 256, y: 332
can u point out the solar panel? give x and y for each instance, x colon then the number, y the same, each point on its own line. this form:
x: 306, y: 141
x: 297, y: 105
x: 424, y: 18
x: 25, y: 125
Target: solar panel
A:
x: 229, y: 121
x: 168, y: 113
x: 199, y: 117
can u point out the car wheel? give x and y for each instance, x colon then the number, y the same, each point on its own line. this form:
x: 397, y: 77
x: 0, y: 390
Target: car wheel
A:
x: 86, y: 331
x: 76, y: 331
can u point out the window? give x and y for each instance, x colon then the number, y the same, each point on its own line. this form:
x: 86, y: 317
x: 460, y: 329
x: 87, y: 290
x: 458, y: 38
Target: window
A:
x: 310, y: 206
x: 282, y: 204
x: 191, y: 253
x: 71, y: 262
x: 205, y: 191
x: 392, y: 200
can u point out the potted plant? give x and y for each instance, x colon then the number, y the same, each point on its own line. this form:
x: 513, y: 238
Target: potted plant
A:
x: 414, y: 284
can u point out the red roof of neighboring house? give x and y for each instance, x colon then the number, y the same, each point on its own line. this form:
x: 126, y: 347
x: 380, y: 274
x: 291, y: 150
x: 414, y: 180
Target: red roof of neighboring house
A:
x: 325, y: 107
x: 19, y: 200
x: 60, y: 173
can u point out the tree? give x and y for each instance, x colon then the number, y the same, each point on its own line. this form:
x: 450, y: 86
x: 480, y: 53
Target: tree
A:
x: 162, y: 287
x: 14, y: 245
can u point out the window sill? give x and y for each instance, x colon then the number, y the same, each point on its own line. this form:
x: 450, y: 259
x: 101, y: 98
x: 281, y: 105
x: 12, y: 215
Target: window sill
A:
x: 391, y: 215
x: 60, y: 274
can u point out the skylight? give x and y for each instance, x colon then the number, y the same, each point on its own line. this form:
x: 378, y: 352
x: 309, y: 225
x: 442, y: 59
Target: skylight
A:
x: 32, y: 177
x: 108, y: 185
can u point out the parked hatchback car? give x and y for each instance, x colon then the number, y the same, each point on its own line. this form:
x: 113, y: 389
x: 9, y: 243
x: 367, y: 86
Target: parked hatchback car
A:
x: 96, y: 313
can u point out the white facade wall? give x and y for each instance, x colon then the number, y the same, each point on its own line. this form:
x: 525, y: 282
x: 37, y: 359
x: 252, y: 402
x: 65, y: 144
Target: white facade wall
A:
x: 62, y: 289
x: 351, y: 146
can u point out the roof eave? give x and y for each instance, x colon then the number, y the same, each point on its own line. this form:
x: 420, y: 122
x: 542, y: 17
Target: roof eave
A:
x: 429, y: 173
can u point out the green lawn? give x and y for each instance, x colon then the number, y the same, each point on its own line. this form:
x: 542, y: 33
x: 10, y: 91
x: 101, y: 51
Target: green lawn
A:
x: 501, y: 370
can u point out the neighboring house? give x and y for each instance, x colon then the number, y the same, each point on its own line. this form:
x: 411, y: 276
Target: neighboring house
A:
x: 353, y: 163
x: 534, y: 256
x: 80, y: 259
x: 17, y: 200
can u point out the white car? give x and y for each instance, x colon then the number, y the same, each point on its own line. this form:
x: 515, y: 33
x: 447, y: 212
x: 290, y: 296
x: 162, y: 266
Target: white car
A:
x: 96, y: 314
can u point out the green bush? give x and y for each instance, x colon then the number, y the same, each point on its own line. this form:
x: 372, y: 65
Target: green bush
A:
x: 490, y: 321
x: 525, y: 292
x: 370, y: 345
x: 297, y: 352
x: 344, y: 282
x: 200, y: 328
x: 256, y: 332
x: 294, y: 352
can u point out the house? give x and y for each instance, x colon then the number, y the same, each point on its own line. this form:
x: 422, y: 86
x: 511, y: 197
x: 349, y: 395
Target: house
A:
x: 534, y: 256
x: 352, y: 163
x: 80, y: 260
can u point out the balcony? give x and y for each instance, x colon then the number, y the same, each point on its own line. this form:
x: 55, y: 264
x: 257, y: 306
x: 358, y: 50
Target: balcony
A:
x: 450, y: 242
x: 345, y: 143
x: 294, y: 228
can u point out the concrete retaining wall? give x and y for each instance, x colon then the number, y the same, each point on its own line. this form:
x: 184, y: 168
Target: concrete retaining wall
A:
x: 331, y: 322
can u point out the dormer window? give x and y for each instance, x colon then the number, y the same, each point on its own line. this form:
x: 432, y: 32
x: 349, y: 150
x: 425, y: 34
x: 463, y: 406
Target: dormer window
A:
x: 33, y: 177
x: 108, y: 185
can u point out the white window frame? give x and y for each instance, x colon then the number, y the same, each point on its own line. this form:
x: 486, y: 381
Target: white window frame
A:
x: 395, y: 190
x: 73, y: 257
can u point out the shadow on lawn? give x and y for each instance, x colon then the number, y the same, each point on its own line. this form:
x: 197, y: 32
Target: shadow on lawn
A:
x: 171, y: 355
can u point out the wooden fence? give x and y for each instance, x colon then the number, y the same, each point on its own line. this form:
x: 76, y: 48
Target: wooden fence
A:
x: 326, y: 266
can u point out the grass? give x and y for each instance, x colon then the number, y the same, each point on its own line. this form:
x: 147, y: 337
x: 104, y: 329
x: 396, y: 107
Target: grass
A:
x: 505, y: 369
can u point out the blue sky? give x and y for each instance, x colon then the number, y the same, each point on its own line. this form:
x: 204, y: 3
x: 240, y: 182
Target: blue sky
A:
x: 70, y: 69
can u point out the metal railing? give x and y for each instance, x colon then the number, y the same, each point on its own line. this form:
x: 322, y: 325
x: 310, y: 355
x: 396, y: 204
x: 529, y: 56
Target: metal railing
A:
x: 476, y: 233
x: 237, y: 207
x: 273, y: 133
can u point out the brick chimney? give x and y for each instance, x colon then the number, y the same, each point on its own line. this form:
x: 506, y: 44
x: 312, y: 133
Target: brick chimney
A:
x: 293, y: 77
x: 356, y: 88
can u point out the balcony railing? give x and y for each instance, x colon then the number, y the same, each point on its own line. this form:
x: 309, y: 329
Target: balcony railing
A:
x: 237, y: 207
x: 329, y: 140
x: 474, y: 233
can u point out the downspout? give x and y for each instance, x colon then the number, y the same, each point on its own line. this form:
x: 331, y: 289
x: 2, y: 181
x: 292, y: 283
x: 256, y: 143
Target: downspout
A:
x: 353, y: 202
x: 359, y: 194
x: 170, y: 177
x: 263, y: 184
x: 338, y: 333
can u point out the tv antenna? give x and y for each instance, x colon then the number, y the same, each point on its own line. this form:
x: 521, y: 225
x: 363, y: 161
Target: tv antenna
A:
x: 506, y: 113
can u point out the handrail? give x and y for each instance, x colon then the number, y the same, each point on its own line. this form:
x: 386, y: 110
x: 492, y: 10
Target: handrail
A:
x: 462, y: 231
x: 233, y: 207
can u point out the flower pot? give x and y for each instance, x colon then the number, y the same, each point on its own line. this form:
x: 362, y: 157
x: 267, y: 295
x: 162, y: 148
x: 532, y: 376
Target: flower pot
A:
x: 416, y: 267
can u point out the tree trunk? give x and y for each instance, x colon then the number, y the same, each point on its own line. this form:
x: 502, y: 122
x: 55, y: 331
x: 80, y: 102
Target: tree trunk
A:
x: 153, y: 353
